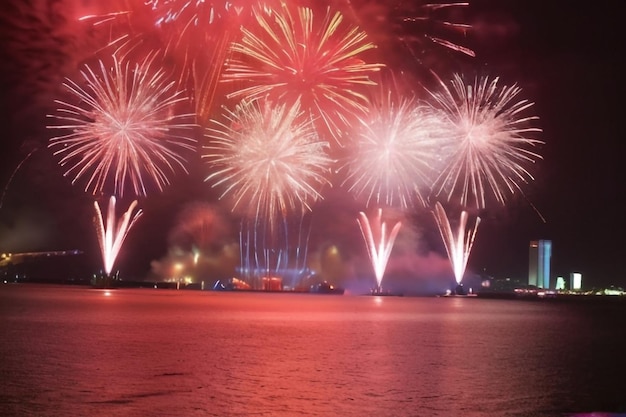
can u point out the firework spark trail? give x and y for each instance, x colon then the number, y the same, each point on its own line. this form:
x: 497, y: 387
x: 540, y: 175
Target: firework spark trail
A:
x: 116, y: 27
x: 379, y: 243
x: 458, y: 243
x: 420, y: 29
x: 395, y: 153
x: 294, y: 57
x: 124, y: 128
x: 195, y: 12
x: 100, y: 19
x: 193, y: 35
x: 276, y: 252
x: 198, y: 36
x: 491, y: 140
x: 425, y: 14
x: 268, y: 158
x: 17, y: 168
x: 111, y: 235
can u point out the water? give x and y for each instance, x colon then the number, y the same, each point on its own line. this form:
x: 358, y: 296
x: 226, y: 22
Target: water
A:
x: 75, y: 351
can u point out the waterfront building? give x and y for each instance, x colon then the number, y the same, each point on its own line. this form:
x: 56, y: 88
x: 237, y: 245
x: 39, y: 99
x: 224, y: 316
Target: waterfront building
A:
x: 540, y: 253
x: 576, y: 281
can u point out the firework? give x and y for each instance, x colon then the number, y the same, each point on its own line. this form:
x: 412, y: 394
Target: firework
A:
x: 111, y: 235
x: 491, y: 140
x: 395, y: 152
x: 269, y: 159
x: 280, y: 250
x: 124, y: 129
x: 424, y: 30
x: 458, y: 242
x: 271, y: 164
x: 198, y: 34
x: 190, y: 15
x: 17, y: 168
x: 379, y: 243
x: 295, y: 57
x: 115, y: 27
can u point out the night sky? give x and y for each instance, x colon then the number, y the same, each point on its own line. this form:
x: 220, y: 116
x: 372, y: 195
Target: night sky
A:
x: 564, y: 57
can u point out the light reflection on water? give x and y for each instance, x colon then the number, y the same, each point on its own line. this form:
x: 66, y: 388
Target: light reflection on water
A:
x: 74, y: 351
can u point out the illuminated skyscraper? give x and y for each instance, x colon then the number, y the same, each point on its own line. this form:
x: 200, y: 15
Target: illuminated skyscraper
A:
x: 539, y: 263
x: 576, y: 281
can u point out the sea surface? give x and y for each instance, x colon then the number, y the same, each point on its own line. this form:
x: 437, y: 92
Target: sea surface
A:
x: 77, y: 351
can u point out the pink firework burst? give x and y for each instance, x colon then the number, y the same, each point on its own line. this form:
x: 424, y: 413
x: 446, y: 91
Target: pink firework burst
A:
x: 290, y: 55
x: 393, y: 156
x: 491, y: 140
x: 268, y: 158
x: 124, y: 128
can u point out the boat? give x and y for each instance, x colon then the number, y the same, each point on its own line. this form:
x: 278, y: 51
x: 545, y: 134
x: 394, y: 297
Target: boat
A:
x: 379, y: 292
x: 325, y: 287
x: 102, y: 280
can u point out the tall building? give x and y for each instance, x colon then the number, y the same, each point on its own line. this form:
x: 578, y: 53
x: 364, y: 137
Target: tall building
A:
x: 576, y: 281
x: 540, y: 253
